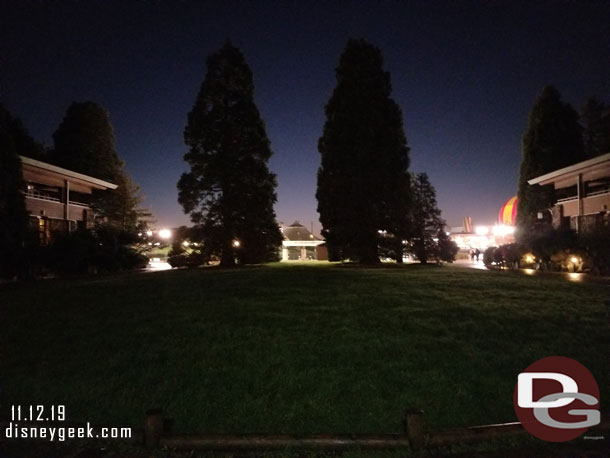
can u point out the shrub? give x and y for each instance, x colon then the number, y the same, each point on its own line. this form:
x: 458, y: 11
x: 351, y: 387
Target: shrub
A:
x: 102, y: 250
x: 504, y: 256
x: 596, y: 251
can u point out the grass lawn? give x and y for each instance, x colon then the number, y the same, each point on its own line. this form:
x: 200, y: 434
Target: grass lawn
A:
x: 314, y: 348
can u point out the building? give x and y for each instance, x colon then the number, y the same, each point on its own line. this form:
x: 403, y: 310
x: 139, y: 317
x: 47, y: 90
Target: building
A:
x: 58, y: 200
x: 583, y: 194
x: 300, y: 244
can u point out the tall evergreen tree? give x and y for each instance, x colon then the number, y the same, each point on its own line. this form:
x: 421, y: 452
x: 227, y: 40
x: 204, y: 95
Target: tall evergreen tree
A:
x: 363, y: 182
x: 85, y: 143
x: 17, y: 136
x: 595, y: 118
x: 14, y: 141
x: 553, y: 140
x: 426, y: 221
x: 229, y: 190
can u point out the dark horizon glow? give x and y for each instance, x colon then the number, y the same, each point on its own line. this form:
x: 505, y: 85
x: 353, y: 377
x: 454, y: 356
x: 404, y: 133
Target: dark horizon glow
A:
x: 465, y: 74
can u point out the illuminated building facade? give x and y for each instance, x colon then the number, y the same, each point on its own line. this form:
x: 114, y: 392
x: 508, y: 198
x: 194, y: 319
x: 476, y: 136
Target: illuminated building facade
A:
x: 583, y: 194
x: 300, y: 244
x: 57, y: 199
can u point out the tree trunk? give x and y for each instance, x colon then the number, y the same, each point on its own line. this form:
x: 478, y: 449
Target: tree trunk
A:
x: 227, y: 258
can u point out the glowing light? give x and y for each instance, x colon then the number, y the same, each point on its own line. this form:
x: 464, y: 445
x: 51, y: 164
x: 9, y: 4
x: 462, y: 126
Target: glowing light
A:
x: 529, y: 258
x: 165, y: 233
x: 139, y: 234
x: 502, y: 230
x: 185, y: 243
x: 529, y: 271
x: 575, y: 277
x: 481, y: 230
x: 236, y: 243
x: 574, y: 260
x: 149, y: 233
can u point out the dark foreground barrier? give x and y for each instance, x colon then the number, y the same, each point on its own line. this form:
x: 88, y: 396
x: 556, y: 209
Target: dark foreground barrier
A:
x: 415, y: 436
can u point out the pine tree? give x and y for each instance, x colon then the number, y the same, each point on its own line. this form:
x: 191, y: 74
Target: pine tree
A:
x: 553, y: 140
x: 14, y: 141
x: 426, y: 220
x: 229, y: 190
x: 363, y: 182
x: 85, y: 143
x: 16, y: 136
x: 595, y: 117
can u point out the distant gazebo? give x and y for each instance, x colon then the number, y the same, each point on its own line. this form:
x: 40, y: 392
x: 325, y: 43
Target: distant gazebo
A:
x: 300, y: 244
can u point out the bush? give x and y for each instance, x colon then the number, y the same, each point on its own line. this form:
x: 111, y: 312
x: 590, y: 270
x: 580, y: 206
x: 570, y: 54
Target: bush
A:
x: 190, y: 260
x: 596, y: 251
x: 505, y: 256
x: 86, y: 251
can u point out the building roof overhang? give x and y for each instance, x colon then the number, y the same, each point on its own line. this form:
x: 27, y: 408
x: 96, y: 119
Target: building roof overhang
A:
x: 598, y: 167
x: 52, y: 171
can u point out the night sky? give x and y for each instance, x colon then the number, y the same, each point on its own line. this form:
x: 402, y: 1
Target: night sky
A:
x: 465, y: 73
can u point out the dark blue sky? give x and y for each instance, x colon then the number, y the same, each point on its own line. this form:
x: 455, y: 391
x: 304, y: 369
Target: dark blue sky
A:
x: 465, y: 74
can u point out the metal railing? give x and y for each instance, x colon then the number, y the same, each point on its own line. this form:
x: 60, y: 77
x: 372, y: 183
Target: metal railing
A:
x: 37, y: 195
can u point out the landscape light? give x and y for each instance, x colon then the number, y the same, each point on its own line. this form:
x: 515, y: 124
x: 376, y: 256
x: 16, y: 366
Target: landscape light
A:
x: 574, y: 259
x: 236, y: 243
x: 165, y: 233
x: 149, y: 233
x: 529, y: 258
x: 185, y: 243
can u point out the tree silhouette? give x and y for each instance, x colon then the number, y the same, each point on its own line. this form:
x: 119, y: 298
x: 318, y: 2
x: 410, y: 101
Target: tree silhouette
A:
x: 229, y: 191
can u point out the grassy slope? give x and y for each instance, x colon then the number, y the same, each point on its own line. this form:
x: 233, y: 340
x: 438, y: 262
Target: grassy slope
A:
x: 293, y: 348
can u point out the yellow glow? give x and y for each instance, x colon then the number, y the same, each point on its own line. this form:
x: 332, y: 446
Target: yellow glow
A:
x: 185, y: 243
x: 165, y: 233
x: 574, y: 260
x: 529, y: 258
x: 575, y: 277
x: 481, y: 230
x: 236, y: 243
x: 529, y: 271
x: 149, y: 233
x: 503, y: 230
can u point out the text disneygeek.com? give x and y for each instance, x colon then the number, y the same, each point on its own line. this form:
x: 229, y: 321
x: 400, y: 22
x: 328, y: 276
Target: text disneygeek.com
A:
x: 34, y: 417
x: 61, y: 433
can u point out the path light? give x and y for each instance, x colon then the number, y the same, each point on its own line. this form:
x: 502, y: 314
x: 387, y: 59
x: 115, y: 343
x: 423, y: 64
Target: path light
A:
x: 575, y: 277
x: 529, y: 258
x: 165, y: 234
x: 185, y: 243
x: 574, y: 260
x: 236, y: 243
